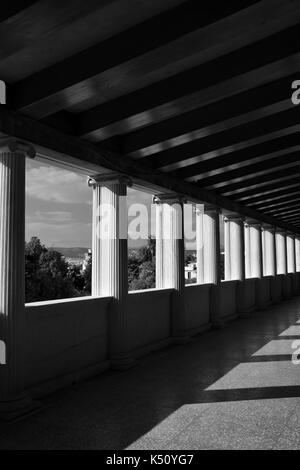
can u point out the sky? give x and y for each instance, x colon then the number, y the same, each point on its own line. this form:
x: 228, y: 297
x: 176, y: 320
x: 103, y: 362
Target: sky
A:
x: 59, y: 207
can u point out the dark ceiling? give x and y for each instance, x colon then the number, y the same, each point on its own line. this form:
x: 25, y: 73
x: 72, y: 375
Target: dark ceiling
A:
x: 200, y: 90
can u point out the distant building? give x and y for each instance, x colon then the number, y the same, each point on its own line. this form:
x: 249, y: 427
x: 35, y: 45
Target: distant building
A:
x: 87, y: 258
x: 190, y: 271
x: 73, y: 261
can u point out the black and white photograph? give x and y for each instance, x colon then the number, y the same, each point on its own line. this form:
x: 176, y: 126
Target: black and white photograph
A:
x: 149, y: 228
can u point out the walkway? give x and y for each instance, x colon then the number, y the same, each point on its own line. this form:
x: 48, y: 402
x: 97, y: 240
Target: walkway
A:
x: 231, y: 388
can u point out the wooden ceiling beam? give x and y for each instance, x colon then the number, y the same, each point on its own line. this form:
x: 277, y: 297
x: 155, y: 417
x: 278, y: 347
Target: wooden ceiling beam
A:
x: 267, y: 166
x: 283, y: 212
x: 294, y: 218
x: 210, y: 119
x: 284, y: 183
x: 226, y: 76
x: 272, y: 208
x: 230, y: 148
x: 13, y: 7
x: 69, y: 81
x: 49, y: 139
x: 273, y: 197
x: 258, y: 182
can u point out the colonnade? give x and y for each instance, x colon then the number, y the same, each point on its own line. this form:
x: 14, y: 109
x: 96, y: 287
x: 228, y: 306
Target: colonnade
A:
x: 252, y: 250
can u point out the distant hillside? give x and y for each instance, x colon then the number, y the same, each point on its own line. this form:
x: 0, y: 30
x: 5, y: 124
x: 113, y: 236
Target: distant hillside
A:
x: 75, y: 252
x: 79, y: 252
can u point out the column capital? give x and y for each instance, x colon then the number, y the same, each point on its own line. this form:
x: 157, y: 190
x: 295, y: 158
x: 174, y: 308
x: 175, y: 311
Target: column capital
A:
x: 169, y: 198
x: 9, y: 144
x: 211, y: 209
x: 109, y: 179
x: 253, y: 223
x: 234, y: 217
x: 268, y: 228
x: 291, y: 235
x: 280, y: 230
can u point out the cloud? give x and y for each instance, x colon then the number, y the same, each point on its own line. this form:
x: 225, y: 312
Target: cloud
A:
x: 69, y: 235
x: 55, y: 209
x: 48, y: 183
x: 50, y: 217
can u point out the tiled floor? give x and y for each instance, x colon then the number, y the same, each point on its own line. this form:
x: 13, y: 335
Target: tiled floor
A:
x: 231, y: 388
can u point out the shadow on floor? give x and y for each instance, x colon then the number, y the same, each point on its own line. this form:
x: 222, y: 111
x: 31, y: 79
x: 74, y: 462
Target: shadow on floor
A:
x: 116, y: 410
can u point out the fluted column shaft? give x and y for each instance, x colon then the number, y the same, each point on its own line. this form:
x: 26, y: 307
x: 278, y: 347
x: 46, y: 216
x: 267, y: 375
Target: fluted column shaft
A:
x: 110, y: 244
x: 199, y: 244
x: 173, y: 246
x: 281, y: 252
x: 159, y: 246
x: 297, y: 254
x: 291, y: 258
x: 211, y: 237
x: 247, y: 251
x: 256, y: 261
x: 170, y: 258
x: 110, y: 262
x: 12, y: 271
x: 235, y: 256
x: 211, y: 260
x: 269, y: 250
x: 227, y: 258
x: 234, y: 249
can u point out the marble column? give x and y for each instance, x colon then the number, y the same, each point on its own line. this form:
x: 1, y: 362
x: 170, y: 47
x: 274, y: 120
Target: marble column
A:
x: 211, y: 244
x: 211, y: 259
x: 159, y: 246
x: 291, y: 262
x: 235, y: 257
x: 110, y: 259
x: 291, y: 258
x: 263, y: 236
x: 256, y: 259
x: 281, y: 253
x: 247, y: 251
x: 281, y: 257
x: 297, y: 253
x: 199, y: 243
x: 234, y: 248
x: 170, y: 258
x: 227, y: 246
x: 269, y: 250
x: 297, y: 257
x: 12, y: 276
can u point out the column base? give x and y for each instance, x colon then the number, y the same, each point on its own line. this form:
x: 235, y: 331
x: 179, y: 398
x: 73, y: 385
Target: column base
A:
x: 286, y: 288
x: 18, y: 407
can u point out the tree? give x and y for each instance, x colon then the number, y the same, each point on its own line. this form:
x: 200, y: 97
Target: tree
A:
x: 76, y: 277
x: 148, y: 251
x: 46, y: 273
x: 49, y: 276
x: 190, y: 257
x: 134, y: 262
x: 146, y: 277
x: 87, y: 276
x: 141, y: 267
